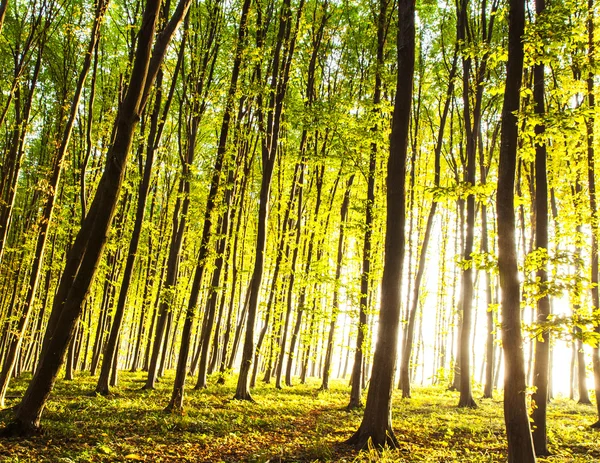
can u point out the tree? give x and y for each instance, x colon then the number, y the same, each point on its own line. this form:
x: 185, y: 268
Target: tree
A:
x: 82, y: 261
x: 542, y: 343
x: 590, y: 120
x: 271, y: 120
x: 336, y: 290
x: 15, y: 344
x: 376, y: 425
x: 157, y: 124
x: 365, y: 278
x: 520, y: 443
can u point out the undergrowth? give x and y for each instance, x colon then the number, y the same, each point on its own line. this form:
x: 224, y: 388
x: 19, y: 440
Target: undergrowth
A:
x: 296, y: 424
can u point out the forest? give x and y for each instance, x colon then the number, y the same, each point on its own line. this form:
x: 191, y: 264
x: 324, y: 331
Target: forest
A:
x: 299, y: 230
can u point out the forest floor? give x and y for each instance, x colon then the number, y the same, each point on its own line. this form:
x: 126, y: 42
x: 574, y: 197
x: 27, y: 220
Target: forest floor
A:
x: 297, y: 424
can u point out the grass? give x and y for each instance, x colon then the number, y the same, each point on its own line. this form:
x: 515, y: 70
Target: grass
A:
x: 297, y: 424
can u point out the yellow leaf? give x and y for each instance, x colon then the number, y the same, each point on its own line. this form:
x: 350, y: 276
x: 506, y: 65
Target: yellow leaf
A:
x: 104, y: 449
x: 133, y: 456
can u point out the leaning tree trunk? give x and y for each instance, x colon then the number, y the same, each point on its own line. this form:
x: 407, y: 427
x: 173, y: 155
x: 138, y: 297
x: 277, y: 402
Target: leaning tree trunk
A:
x: 83, y: 258
x: 34, y: 276
x: 376, y: 426
x: 520, y: 443
x: 176, y: 402
x: 156, y: 130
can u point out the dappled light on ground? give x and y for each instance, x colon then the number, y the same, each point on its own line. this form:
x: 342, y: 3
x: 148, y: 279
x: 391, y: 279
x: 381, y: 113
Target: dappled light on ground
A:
x: 298, y: 424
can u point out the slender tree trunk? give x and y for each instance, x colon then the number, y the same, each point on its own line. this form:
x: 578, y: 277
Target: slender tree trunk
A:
x: 3, y: 7
x: 283, y: 249
x: 176, y: 402
x: 590, y: 122
x: 167, y: 301
x: 404, y: 382
x: 336, y: 289
x: 279, y: 80
x: 490, y: 328
x: 10, y: 170
x: 156, y: 129
x: 356, y: 390
x: 542, y: 343
x: 307, y: 267
x: 152, y: 262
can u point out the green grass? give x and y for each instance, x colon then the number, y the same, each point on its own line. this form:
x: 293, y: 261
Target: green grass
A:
x: 296, y: 424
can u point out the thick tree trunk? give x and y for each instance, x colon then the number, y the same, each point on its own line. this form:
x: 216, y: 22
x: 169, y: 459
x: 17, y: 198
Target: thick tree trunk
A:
x: 83, y: 259
x: 520, y: 443
x: 36, y: 266
x: 376, y: 426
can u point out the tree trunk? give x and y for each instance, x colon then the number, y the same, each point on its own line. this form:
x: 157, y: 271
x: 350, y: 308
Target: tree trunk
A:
x: 336, y: 289
x: 356, y: 390
x: 307, y: 267
x: 541, y: 370
x: 279, y: 80
x: 590, y: 121
x: 376, y: 426
x: 283, y: 249
x: 520, y: 443
x: 156, y: 129
x: 83, y: 259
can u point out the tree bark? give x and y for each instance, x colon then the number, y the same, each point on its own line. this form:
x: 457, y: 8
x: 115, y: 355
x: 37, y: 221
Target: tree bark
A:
x: 541, y: 369
x: 376, y: 426
x: 272, y: 124
x: 338, y: 273
x: 83, y: 259
x: 520, y: 443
